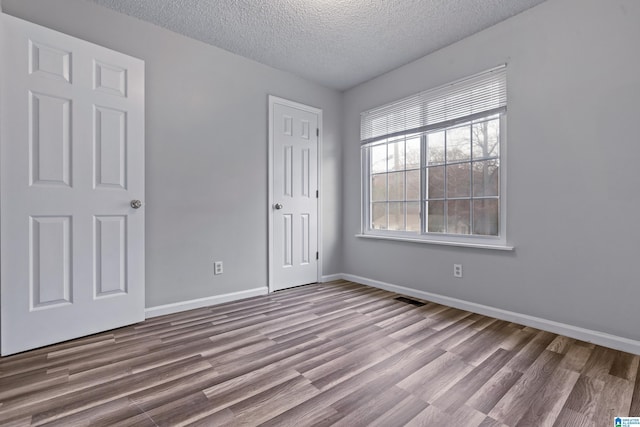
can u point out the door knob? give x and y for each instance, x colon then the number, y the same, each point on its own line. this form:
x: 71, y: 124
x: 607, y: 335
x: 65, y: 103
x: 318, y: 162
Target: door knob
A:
x: 278, y: 206
x: 136, y: 204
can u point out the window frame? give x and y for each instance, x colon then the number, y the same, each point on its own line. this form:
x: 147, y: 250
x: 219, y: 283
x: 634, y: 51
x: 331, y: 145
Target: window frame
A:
x: 423, y: 236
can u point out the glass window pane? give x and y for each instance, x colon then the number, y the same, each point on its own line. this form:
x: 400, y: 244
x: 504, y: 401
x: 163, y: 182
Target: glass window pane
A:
x: 485, y: 217
x: 379, y: 187
x: 396, y: 156
x: 435, y: 217
x: 412, y: 153
x: 435, y: 182
x: 459, y: 180
x: 486, y: 174
x: 413, y: 185
x: 379, y: 216
x: 435, y: 148
x: 413, y: 216
x: 396, y: 186
x: 486, y: 139
x: 378, y: 156
x: 458, y: 144
x: 396, y: 216
x: 459, y: 216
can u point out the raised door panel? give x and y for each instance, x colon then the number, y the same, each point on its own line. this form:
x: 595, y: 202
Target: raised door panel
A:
x: 305, y: 250
x: 50, y: 140
x: 287, y: 125
x: 50, y: 261
x: 287, y: 171
x: 110, y: 148
x: 304, y: 129
x: 287, y: 240
x: 50, y: 62
x: 110, y: 264
x: 305, y: 184
x: 110, y: 79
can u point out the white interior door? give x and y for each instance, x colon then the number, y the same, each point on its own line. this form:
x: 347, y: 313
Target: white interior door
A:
x: 294, y: 131
x: 72, y: 161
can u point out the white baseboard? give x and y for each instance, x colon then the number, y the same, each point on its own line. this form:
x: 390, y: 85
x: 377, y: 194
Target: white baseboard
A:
x: 177, y: 307
x: 595, y: 337
x: 331, y: 278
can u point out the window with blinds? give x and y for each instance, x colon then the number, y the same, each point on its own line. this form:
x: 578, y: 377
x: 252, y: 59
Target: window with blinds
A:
x: 433, y: 163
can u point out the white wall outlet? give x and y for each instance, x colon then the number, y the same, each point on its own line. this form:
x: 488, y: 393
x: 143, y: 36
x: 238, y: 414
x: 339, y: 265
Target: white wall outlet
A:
x: 457, y: 270
x: 217, y: 267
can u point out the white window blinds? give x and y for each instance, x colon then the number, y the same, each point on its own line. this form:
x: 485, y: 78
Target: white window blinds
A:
x: 460, y: 101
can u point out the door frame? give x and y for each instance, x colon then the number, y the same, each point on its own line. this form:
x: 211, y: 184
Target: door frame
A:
x: 282, y: 101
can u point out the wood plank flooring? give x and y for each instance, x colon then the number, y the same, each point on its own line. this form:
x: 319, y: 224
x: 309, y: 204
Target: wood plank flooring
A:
x: 325, y: 354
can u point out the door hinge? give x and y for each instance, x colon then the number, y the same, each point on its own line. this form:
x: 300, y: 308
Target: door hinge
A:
x: 317, y: 194
x: 317, y: 131
x: 317, y: 255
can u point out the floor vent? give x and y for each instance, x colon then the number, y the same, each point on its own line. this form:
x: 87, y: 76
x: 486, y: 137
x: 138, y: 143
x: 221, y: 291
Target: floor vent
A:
x: 410, y: 301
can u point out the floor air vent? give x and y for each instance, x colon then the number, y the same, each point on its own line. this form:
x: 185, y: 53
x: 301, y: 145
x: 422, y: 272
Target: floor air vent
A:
x: 410, y: 301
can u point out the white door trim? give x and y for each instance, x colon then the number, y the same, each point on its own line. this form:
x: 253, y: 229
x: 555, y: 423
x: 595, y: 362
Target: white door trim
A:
x: 272, y: 101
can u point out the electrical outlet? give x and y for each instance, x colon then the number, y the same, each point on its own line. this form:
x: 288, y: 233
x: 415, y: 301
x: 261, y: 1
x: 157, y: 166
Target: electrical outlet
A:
x: 457, y: 270
x: 217, y: 267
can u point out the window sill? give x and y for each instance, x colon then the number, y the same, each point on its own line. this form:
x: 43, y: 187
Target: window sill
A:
x: 497, y: 247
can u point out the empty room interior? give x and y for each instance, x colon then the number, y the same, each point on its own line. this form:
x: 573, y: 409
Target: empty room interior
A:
x: 319, y: 212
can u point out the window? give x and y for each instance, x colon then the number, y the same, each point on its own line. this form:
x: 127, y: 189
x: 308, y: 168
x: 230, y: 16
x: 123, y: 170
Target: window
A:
x: 433, y: 164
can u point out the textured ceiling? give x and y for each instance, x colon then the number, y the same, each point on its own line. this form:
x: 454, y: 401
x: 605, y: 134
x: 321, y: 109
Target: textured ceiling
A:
x: 337, y: 43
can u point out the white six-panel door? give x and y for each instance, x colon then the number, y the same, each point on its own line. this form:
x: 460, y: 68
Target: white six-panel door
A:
x: 72, y: 160
x: 294, y: 242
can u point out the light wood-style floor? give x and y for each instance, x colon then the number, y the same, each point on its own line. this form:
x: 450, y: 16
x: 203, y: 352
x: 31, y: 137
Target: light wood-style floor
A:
x: 323, y: 354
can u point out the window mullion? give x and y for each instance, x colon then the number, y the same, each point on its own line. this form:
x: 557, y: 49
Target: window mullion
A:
x: 471, y: 202
x: 405, y: 183
x: 386, y: 180
x: 366, y: 191
x: 445, y: 192
x: 424, y: 218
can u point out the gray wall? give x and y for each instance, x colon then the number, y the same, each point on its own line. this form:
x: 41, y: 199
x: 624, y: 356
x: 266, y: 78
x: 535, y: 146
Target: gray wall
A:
x: 206, y: 151
x: 573, y: 180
